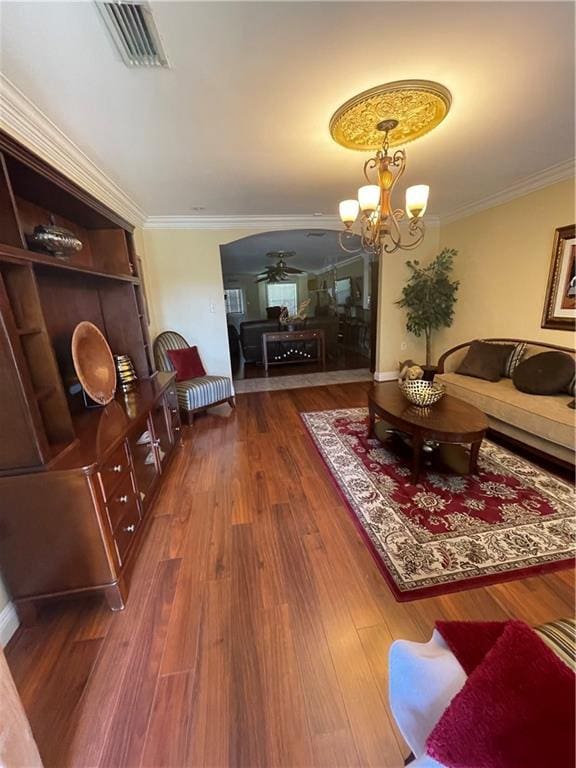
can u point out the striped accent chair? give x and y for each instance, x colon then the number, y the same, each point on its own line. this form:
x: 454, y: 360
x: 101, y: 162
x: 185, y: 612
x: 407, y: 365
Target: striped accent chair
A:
x: 196, y: 394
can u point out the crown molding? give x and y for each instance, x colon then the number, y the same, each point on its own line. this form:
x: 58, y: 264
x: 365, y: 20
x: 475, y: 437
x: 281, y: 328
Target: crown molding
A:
x: 261, y: 223
x: 22, y: 120
x: 552, y: 175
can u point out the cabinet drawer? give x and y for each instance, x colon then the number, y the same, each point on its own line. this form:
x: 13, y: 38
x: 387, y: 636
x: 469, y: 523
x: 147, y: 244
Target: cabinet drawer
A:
x: 121, y: 500
x: 126, y: 531
x: 172, y: 397
x: 115, y: 466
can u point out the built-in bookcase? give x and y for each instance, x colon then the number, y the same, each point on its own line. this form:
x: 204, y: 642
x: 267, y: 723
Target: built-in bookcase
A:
x: 43, y: 298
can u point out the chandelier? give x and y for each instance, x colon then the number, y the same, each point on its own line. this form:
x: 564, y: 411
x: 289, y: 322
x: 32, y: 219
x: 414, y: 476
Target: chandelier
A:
x: 365, y: 122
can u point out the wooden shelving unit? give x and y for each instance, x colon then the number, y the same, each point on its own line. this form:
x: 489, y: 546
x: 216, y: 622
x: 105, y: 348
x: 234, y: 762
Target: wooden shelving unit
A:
x: 43, y: 298
x: 76, y: 485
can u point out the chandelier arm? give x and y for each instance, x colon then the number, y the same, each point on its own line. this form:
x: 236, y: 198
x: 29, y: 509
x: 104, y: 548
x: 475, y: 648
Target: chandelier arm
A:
x: 347, y: 234
x: 416, y: 229
x: 395, y: 236
x: 370, y: 164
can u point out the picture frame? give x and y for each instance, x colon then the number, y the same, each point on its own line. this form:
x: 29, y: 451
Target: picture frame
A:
x: 560, y: 302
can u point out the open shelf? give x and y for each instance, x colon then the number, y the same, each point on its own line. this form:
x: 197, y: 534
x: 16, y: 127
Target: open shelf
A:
x: 44, y: 260
x: 43, y: 298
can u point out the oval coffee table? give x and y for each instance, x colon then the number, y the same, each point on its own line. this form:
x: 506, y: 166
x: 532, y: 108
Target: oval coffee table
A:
x: 448, y: 421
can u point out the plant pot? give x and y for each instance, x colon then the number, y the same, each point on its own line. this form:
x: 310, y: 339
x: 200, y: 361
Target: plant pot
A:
x: 429, y: 372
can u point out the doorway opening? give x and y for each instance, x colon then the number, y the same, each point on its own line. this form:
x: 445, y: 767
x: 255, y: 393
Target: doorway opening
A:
x: 285, y: 289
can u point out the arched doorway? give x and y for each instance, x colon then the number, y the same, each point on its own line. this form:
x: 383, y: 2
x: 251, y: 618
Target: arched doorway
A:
x: 336, y: 292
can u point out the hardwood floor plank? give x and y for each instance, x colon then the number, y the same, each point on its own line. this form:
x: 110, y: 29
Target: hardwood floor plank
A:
x: 287, y: 735
x: 376, y: 642
x: 211, y: 706
x: 335, y: 750
x: 184, y: 626
x: 324, y: 704
x: 168, y: 737
x: 531, y: 600
x: 53, y: 711
x: 219, y: 547
x: 247, y: 743
x: 125, y: 739
x: 369, y: 719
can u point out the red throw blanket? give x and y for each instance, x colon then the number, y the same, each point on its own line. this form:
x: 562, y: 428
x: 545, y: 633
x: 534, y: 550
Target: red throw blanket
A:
x: 516, y: 710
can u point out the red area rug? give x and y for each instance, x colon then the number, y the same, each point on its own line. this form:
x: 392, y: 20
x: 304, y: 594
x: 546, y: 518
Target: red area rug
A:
x: 449, y: 532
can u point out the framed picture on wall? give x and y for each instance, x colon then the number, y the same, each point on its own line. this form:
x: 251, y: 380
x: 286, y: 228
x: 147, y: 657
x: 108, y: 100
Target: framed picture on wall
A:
x: 560, y: 302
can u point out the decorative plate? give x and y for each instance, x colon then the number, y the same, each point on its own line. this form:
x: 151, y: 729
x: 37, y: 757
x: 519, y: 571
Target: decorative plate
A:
x: 93, y: 362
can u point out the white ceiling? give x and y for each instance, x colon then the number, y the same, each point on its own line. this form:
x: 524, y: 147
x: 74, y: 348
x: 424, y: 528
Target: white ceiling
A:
x: 314, y: 250
x: 239, y: 124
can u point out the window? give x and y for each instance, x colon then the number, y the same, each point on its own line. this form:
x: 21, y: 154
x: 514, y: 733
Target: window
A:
x: 283, y: 295
x: 343, y: 291
x: 234, y: 301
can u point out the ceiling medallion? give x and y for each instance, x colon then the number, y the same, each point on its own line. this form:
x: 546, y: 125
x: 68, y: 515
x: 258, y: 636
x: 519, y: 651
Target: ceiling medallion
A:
x: 379, y: 119
x: 417, y: 105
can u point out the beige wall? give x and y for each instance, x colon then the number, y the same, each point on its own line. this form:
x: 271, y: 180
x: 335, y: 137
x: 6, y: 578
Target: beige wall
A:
x: 183, y: 276
x: 392, y: 333
x: 503, y: 261
x: 502, y: 264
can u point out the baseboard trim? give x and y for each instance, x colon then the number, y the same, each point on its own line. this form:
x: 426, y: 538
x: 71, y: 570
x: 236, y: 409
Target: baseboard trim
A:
x: 385, y: 375
x: 9, y: 623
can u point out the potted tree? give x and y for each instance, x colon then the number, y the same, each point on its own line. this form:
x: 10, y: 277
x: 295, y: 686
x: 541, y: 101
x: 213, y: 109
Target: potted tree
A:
x: 429, y: 297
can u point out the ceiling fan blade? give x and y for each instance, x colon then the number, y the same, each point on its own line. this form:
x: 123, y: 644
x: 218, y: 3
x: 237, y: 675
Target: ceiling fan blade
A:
x: 293, y: 271
x: 261, y: 279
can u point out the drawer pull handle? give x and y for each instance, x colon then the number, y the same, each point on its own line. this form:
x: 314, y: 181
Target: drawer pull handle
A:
x: 130, y: 528
x: 123, y: 499
x: 117, y: 468
x: 174, y: 410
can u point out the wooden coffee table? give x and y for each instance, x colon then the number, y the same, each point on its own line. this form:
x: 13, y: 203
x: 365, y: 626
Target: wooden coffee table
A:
x: 448, y: 421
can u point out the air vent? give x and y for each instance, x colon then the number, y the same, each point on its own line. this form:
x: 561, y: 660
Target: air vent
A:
x: 134, y: 33
x: 316, y: 233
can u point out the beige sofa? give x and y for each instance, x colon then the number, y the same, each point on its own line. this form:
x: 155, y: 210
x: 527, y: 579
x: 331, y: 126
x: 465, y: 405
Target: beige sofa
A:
x: 541, y: 422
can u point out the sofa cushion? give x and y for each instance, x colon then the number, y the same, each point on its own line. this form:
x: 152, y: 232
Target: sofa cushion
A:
x: 547, y: 417
x: 515, y: 358
x: 486, y: 361
x: 545, y: 374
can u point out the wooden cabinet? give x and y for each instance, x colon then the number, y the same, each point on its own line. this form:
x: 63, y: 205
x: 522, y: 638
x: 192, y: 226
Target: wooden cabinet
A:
x: 76, y: 484
x: 73, y: 527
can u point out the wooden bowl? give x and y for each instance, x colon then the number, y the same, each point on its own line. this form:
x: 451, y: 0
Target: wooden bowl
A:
x: 93, y: 362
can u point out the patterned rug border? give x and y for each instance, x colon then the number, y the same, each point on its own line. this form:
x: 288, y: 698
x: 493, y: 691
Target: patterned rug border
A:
x: 474, y: 582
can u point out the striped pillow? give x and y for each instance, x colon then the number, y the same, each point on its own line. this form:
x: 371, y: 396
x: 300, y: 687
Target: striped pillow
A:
x: 560, y: 636
x: 515, y: 357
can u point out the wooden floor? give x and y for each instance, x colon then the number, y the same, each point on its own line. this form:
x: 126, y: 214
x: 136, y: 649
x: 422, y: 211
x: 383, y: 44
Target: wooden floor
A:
x: 258, y: 626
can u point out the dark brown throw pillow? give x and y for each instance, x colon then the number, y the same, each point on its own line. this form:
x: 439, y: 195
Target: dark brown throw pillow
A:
x: 546, y: 373
x: 485, y: 361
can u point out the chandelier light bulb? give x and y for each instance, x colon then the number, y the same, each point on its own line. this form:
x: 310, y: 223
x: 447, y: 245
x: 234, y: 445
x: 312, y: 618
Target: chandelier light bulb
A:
x: 417, y: 200
x: 369, y: 197
x: 349, y: 210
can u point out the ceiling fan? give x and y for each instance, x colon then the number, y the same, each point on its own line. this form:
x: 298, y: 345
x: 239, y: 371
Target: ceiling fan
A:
x: 275, y: 273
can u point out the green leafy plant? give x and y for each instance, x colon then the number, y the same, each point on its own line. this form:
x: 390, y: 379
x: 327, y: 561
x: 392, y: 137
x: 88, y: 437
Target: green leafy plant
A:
x: 429, y: 296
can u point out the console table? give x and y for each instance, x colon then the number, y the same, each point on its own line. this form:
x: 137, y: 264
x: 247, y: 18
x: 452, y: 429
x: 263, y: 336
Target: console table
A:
x: 312, y: 334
